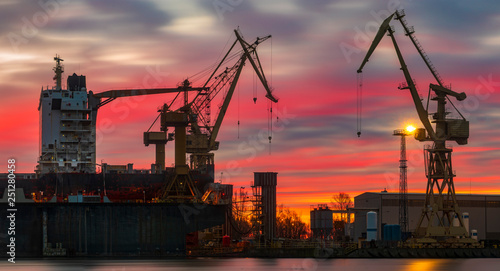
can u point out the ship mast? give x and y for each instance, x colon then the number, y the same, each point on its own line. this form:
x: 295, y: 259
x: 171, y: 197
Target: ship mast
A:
x: 58, y: 69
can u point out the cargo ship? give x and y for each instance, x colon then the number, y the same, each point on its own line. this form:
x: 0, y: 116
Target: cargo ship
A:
x: 66, y: 208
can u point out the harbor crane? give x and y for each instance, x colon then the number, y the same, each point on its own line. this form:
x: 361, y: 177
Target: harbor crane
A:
x: 436, y: 221
x: 195, y: 115
x: 203, y: 137
x: 96, y: 101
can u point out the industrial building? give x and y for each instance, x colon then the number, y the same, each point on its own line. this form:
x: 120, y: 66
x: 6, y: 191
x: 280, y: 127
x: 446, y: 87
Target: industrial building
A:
x: 484, y: 212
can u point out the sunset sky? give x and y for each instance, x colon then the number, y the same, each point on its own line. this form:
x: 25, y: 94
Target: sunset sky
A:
x: 311, y: 62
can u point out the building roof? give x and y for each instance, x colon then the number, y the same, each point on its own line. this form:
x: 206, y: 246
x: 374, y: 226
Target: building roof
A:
x: 421, y: 194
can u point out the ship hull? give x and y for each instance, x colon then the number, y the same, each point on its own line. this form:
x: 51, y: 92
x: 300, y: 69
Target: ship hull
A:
x: 106, y: 229
x: 117, y: 187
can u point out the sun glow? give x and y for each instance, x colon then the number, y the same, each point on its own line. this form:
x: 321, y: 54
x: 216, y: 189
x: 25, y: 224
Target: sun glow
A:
x: 410, y: 128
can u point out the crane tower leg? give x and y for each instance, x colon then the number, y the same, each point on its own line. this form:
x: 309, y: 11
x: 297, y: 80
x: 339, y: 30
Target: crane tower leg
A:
x: 436, y: 221
x: 181, y: 187
x: 160, y: 157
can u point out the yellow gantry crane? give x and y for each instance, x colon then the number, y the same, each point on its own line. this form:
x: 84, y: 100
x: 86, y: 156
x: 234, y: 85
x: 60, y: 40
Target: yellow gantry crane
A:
x: 441, y: 207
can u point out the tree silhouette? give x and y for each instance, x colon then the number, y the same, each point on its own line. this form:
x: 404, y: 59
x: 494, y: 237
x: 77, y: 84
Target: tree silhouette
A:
x: 341, y: 202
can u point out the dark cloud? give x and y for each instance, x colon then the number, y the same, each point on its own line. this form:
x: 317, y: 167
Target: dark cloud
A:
x: 116, y: 40
x: 285, y: 27
x: 15, y: 14
x: 128, y: 12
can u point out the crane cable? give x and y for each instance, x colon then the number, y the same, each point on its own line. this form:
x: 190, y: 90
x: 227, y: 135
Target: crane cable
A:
x: 169, y: 106
x: 270, y: 121
x: 254, y: 86
x: 238, y: 110
x: 270, y: 124
x: 271, y: 61
x: 153, y: 123
x: 359, y: 105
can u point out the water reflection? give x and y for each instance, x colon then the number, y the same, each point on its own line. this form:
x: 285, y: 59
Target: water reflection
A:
x: 429, y: 265
x: 252, y: 264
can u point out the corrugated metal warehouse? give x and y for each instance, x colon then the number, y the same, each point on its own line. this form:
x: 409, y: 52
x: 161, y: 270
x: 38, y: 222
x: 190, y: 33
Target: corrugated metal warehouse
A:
x: 484, y: 212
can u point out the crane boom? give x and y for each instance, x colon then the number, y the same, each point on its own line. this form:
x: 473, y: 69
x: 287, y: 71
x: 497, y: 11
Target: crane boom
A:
x: 258, y: 69
x: 225, y: 105
x: 380, y: 34
x: 423, y: 115
x: 116, y: 93
x: 215, y: 83
x: 248, y: 50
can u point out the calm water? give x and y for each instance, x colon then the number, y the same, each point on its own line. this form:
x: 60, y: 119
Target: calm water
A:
x: 258, y: 264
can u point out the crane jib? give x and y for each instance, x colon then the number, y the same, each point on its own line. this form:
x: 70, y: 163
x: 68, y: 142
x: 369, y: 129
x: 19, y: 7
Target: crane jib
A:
x: 380, y: 34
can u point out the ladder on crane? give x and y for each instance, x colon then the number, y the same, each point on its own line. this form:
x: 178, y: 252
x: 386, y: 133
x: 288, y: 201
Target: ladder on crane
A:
x: 410, y: 31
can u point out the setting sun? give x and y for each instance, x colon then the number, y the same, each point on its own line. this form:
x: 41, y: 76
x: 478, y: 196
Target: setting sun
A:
x: 410, y: 128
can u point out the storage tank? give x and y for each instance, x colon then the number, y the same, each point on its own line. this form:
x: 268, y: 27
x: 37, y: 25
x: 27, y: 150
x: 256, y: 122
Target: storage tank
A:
x: 327, y: 219
x: 371, y: 226
x: 465, y: 217
x: 392, y: 232
x: 474, y: 234
x: 387, y: 230
x: 321, y: 221
x: 456, y: 222
x: 313, y: 219
x: 396, y: 232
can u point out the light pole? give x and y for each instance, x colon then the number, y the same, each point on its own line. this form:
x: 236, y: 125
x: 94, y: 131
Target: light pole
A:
x: 403, y: 185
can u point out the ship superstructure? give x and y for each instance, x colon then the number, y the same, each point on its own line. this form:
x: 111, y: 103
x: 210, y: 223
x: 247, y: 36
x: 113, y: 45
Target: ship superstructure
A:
x: 67, y: 137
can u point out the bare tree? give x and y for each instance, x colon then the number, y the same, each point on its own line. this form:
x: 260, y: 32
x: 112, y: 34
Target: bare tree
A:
x: 341, y: 202
x: 241, y: 215
x: 289, y: 224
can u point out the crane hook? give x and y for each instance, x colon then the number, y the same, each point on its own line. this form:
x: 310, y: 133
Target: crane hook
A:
x: 359, y: 134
